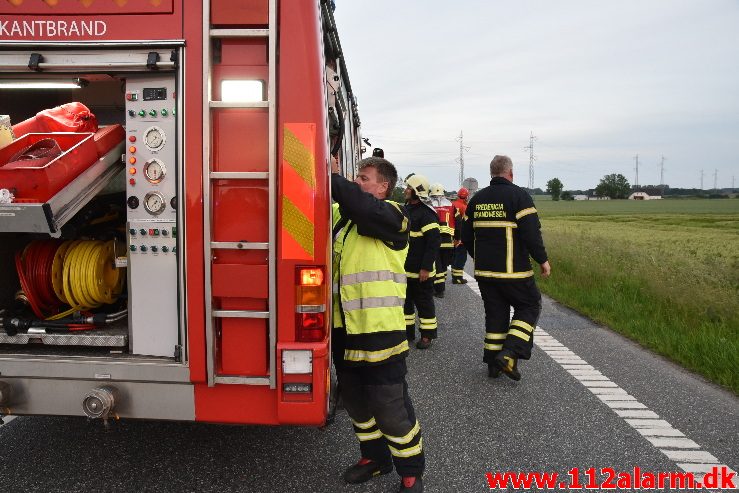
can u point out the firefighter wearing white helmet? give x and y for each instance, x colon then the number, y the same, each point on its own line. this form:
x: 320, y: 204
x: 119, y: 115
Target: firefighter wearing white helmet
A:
x: 419, y: 265
x: 445, y: 212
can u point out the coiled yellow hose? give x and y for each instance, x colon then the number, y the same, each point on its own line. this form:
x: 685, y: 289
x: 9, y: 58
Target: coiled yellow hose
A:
x: 84, y: 275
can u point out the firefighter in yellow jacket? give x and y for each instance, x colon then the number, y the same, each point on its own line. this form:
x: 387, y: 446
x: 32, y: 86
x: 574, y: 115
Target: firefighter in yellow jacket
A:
x: 369, y: 341
x: 501, y: 231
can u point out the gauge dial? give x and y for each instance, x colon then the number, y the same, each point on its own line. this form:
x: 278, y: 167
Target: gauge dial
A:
x: 154, y: 203
x: 154, y: 138
x: 154, y: 170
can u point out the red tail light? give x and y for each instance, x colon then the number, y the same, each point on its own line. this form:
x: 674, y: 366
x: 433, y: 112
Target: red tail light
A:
x: 311, y: 327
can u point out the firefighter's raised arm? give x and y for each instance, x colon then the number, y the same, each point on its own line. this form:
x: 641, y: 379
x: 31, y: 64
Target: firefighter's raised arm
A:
x: 363, y: 201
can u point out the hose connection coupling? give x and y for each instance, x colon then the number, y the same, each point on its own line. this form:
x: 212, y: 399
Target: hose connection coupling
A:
x: 99, y: 402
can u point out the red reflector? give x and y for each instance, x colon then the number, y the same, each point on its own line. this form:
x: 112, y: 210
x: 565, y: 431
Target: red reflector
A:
x: 311, y: 327
x: 310, y: 277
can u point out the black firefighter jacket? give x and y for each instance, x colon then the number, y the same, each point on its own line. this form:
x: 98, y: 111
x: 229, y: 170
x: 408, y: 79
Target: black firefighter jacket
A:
x: 501, y: 230
x: 424, y: 242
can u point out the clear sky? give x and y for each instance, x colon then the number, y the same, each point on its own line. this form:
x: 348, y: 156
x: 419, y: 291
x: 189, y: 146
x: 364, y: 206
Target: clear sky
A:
x: 597, y: 82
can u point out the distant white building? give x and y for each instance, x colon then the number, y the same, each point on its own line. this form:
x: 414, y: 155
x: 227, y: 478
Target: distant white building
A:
x: 579, y: 197
x: 643, y: 196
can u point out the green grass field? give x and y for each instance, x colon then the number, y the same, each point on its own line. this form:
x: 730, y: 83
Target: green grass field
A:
x: 664, y: 273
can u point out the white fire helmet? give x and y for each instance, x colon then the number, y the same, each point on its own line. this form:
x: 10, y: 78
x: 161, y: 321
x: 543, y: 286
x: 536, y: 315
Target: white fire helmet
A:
x: 436, y: 190
x: 419, y: 184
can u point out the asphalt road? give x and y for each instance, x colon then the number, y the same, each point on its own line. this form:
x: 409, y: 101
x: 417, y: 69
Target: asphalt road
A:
x: 588, y: 398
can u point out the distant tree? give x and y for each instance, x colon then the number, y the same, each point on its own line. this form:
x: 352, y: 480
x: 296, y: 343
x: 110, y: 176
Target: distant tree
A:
x: 554, y: 188
x: 615, y: 186
x: 567, y: 195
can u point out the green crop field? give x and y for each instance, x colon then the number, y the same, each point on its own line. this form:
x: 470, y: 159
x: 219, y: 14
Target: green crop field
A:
x: 664, y: 273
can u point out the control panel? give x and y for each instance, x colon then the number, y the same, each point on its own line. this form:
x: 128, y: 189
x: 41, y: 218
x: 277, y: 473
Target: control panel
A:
x: 151, y: 151
x: 151, y: 157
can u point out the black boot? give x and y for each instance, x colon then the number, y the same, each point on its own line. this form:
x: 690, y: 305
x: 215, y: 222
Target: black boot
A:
x: 507, y: 362
x: 364, y: 470
x: 424, y: 343
x: 411, y: 484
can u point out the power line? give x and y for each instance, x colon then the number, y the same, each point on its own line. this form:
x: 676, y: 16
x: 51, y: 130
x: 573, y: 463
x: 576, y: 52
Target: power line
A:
x: 462, y: 150
x: 701, y: 179
x: 662, y: 173
x: 715, y: 179
x: 530, y: 147
x: 636, y: 180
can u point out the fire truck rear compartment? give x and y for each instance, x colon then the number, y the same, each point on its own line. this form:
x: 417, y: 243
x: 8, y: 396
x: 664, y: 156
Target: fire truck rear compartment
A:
x: 143, y: 320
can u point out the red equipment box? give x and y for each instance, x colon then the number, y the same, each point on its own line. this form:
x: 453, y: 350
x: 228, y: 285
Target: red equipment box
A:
x: 40, y: 183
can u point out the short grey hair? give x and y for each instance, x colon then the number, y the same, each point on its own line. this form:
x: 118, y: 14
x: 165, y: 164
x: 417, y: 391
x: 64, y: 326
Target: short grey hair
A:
x: 384, y: 168
x: 500, y: 165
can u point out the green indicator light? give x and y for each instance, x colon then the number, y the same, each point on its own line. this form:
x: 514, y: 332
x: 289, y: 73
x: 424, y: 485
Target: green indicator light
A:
x: 174, y: 111
x: 142, y: 112
x: 153, y: 112
x: 164, y: 112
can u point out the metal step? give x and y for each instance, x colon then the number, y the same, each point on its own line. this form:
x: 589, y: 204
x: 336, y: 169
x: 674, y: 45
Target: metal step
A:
x: 239, y: 314
x: 239, y: 245
x: 239, y: 33
x: 237, y: 105
x: 239, y: 175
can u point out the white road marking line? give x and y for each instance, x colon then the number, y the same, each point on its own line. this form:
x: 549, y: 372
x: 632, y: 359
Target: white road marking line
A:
x: 591, y: 378
x: 625, y: 405
x: 598, y: 383
x: 649, y: 423
x: 700, y: 468
x: 617, y: 397
x: 637, y: 415
x: 607, y: 391
x: 673, y: 442
x: 661, y: 432
x: 585, y: 373
x: 690, y: 456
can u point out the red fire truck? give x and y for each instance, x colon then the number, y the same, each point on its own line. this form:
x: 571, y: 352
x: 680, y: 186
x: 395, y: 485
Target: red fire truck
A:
x: 206, y: 222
